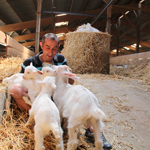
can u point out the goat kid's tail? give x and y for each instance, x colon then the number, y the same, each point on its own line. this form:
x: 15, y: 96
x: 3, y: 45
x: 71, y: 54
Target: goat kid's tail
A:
x: 98, y: 114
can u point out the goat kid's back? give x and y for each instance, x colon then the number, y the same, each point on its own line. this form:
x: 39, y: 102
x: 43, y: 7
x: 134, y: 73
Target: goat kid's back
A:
x: 79, y: 106
x: 46, y: 115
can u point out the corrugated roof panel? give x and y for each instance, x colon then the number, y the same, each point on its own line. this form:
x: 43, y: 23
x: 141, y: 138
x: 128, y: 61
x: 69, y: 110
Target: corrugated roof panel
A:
x: 7, y: 14
x: 95, y: 4
x: 79, y: 6
x: 24, y: 9
x: 63, y: 5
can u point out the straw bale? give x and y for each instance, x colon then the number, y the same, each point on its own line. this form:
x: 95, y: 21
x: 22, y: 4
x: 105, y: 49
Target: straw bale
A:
x: 87, y: 52
x: 9, y: 66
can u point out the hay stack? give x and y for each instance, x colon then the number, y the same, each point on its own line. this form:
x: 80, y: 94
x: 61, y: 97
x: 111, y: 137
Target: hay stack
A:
x: 87, y: 52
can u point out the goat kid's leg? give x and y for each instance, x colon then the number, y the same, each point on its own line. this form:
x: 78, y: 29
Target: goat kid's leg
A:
x: 58, y: 135
x: 31, y: 96
x: 72, y: 142
x: 97, y: 134
x: 39, y: 138
x: 31, y: 117
x: 7, y: 104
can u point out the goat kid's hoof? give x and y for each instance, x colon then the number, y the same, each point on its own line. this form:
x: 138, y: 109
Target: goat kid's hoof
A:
x: 72, y: 146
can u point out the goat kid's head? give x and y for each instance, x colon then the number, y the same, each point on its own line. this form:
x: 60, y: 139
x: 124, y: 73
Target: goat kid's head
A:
x: 30, y: 72
x: 66, y: 71
x: 48, y: 71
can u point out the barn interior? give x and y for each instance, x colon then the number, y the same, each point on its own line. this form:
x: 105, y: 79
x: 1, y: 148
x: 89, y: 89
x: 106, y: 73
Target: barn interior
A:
x: 122, y: 85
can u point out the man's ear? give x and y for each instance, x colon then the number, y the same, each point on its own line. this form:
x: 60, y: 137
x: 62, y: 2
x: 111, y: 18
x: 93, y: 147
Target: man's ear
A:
x: 41, y: 45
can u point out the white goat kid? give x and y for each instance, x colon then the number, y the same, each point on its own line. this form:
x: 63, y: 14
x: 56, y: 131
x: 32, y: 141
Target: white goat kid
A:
x: 9, y: 81
x: 46, y: 116
x: 79, y: 105
x: 47, y: 71
x: 29, y: 82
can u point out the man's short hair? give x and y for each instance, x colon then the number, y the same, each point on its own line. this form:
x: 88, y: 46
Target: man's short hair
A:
x: 51, y: 36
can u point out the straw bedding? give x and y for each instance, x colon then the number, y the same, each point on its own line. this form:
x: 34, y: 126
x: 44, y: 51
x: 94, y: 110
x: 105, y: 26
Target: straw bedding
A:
x: 87, y: 52
x: 140, y: 72
x: 14, y: 134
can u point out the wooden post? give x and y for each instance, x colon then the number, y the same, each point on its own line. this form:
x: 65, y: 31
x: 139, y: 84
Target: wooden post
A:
x: 108, y: 23
x: 118, y: 35
x: 53, y: 23
x: 138, y: 28
x: 38, y: 22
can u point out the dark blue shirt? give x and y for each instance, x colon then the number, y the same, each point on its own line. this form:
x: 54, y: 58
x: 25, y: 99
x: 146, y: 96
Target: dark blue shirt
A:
x: 59, y: 59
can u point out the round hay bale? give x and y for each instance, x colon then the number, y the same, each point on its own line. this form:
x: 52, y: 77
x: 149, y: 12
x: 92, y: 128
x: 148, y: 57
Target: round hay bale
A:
x: 87, y: 52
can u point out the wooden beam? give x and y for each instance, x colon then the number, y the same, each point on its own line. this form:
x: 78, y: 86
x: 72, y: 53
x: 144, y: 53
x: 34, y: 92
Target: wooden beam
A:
x: 72, y: 2
x: 53, y: 17
x: 128, y: 46
x: 129, y: 59
x: 108, y: 22
x: 47, y: 21
x: 44, y: 21
x: 145, y: 23
x: 2, y: 37
x: 118, y: 35
x: 26, y: 44
x: 14, y: 44
x: 125, y: 23
x: 138, y: 28
x: 33, y: 5
x: 17, y: 53
x: 127, y: 18
x: 32, y: 35
x: 147, y: 44
x: 144, y: 8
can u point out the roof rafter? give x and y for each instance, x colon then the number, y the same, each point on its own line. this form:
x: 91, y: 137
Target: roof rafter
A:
x: 71, y: 5
x: 144, y: 8
x: 47, y: 21
x: 32, y: 35
x: 15, y: 12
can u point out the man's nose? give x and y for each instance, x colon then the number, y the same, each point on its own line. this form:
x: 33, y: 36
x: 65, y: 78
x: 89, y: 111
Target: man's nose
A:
x: 51, y: 52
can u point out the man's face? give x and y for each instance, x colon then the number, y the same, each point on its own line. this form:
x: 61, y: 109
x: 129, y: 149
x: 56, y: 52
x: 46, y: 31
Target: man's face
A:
x: 50, y: 49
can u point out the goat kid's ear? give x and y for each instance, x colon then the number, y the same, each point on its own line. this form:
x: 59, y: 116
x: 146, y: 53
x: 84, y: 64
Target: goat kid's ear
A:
x: 24, y: 77
x: 31, y: 64
x: 39, y: 72
x: 71, y: 75
x: 35, y: 72
x: 55, y: 73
